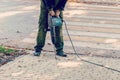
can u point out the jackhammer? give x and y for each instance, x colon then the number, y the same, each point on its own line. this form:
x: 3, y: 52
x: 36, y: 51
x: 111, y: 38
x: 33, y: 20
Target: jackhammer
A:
x: 54, y: 22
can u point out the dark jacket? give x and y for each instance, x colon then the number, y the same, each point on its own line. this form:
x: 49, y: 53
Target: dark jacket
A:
x: 55, y: 4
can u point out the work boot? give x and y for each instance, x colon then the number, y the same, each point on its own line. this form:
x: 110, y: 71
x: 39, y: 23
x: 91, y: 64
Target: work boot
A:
x: 61, y: 53
x: 37, y: 53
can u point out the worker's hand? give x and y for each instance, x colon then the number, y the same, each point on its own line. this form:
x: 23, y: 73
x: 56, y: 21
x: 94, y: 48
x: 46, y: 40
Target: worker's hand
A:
x: 57, y: 13
x: 52, y: 13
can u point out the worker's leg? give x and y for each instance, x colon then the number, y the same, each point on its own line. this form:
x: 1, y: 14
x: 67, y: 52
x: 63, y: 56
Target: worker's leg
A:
x: 59, y: 43
x: 42, y: 31
x: 40, y: 39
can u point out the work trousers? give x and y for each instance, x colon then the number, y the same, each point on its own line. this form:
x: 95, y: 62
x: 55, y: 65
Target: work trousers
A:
x: 43, y: 26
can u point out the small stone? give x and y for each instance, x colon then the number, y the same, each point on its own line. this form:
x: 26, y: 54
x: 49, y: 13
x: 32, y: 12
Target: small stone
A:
x: 1, y: 54
x: 18, y: 32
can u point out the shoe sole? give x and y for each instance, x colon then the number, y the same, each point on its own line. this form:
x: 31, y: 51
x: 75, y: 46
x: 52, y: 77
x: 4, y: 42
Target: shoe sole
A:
x: 61, y: 55
x: 38, y: 54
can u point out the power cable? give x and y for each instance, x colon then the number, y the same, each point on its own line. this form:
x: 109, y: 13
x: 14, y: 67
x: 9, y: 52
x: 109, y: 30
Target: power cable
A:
x: 97, y: 64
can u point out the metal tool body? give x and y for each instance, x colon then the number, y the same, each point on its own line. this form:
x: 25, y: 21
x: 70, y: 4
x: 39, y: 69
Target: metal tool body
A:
x: 53, y: 23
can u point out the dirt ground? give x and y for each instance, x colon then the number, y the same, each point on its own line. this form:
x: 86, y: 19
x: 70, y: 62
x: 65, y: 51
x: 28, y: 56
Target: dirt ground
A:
x: 94, y: 30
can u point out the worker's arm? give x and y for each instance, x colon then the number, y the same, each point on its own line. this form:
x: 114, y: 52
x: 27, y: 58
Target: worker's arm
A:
x: 61, y: 5
x: 49, y: 4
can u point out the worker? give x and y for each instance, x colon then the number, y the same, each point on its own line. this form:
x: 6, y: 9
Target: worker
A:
x: 54, y: 8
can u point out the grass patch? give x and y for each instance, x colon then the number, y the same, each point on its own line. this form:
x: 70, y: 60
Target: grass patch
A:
x: 9, y: 53
x: 6, y: 51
